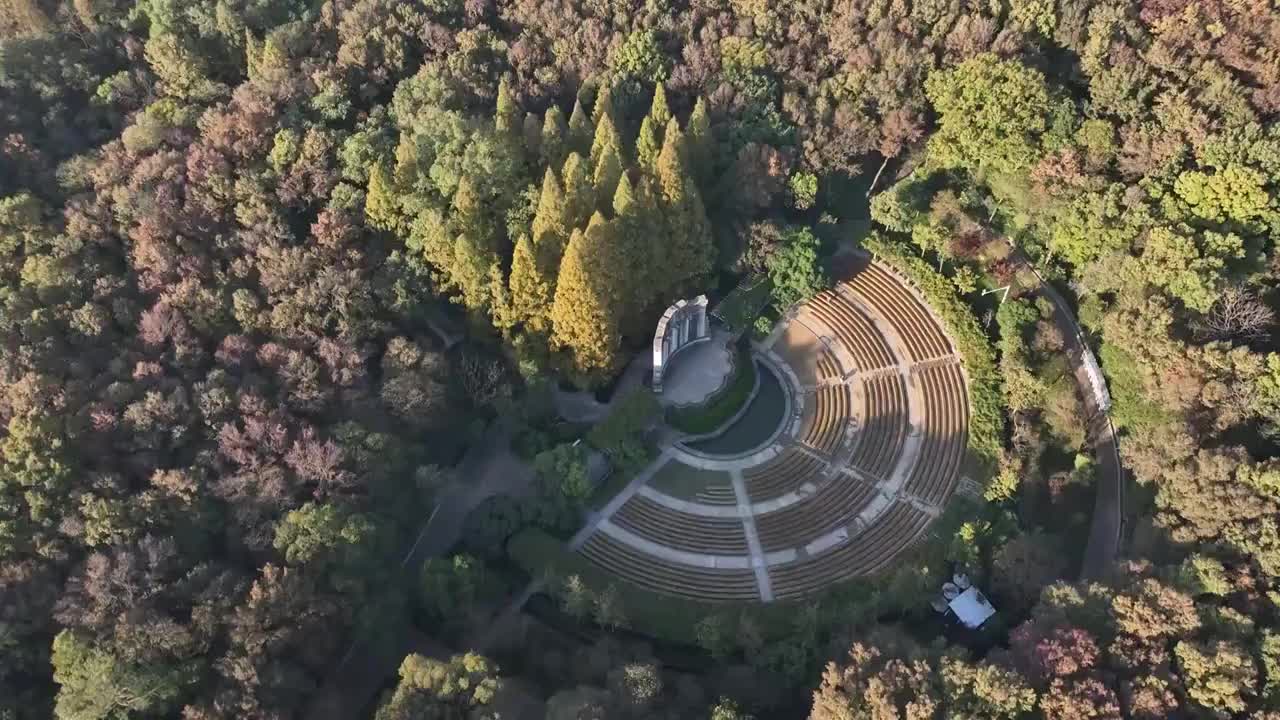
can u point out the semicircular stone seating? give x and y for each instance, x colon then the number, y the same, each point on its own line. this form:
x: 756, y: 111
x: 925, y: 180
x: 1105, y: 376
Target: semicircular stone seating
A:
x: 875, y: 457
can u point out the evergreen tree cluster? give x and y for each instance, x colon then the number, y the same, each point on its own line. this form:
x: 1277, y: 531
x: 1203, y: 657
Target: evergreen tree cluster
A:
x: 565, y: 270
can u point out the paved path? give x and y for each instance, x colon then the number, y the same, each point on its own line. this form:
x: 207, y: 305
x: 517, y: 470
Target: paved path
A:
x: 584, y: 407
x: 488, y: 469
x: 1104, y: 533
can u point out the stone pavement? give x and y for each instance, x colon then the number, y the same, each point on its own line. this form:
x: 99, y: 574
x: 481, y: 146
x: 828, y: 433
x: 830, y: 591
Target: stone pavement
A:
x: 699, y: 371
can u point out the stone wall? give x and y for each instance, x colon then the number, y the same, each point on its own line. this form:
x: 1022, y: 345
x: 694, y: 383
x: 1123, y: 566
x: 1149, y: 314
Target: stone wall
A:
x: 682, y: 325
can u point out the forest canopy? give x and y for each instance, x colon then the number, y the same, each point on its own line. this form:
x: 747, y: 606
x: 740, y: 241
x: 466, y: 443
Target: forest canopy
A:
x: 270, y: 270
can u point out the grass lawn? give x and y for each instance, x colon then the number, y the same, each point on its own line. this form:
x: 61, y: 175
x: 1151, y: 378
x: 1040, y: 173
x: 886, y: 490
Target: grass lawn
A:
x: 679, y: 480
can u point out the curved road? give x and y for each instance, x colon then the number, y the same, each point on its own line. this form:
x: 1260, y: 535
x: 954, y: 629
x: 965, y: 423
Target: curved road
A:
x: 1104, y: 533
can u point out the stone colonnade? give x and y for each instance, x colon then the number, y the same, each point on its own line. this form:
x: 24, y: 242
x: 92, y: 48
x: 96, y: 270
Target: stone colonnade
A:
x: 682, y: 325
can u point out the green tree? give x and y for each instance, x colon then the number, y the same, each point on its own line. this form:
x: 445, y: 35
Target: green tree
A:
x: 562, y: 473
x: 607, y: 174
x: 579, y: 199
x: 649, y: 141
x: 475, y: 272
x: 727, y: 709
x: 701, y: 145
x: 1235, y: 197
x: 453, y: 587
x: 1190, y: 266
x: 606, y: 140
x: 637, y: 248
x: 648, y: 144
x: 804, y: 190
x: 604, y: 107
x: 382, y: 203
x: 1204, y: 575
x: 324, y: 533
x: 435, y: 690
x: 794, y: 269
x: 992, y: 114
x: 641, y: 58
x: 984, y: 691
x: 95, y: 685
x: 1217, y: 675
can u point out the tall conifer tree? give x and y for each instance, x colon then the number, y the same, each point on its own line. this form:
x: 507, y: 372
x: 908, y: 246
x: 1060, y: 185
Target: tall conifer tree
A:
x: 579, y: 198
x: 689, y: 251
x: 604, y: 106
x: 381, y: 206
x: 701, y: 144
x: 637, y: 250
x: 550, y: 221
x: 652, y: 128
x: 606, y: 136
x: 555, y: 138
x: 608, y: 171
x: 648, y: 144
x: 583, y: 315
x: 580, y: 129
x: 507, y: 119
x: 531, y: 289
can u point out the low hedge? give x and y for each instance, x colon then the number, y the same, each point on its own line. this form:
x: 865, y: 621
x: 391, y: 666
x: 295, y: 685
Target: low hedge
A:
x: 710, y: 415
x: 986, y: 423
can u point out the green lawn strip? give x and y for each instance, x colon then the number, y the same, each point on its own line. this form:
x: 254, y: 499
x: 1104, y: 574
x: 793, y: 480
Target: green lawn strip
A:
x: 986, y: 397
x: 710, y: 415
x: 682, y: 481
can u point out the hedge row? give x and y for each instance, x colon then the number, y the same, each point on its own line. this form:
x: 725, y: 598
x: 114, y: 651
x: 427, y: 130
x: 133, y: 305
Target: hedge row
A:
x: 986, y: 397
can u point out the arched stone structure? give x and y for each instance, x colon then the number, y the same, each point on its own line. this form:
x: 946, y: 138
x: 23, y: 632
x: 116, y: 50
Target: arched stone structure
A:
x: 682, y: 325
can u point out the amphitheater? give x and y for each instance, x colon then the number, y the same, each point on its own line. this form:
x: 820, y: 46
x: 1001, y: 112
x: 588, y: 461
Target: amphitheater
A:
x: 868, y: 449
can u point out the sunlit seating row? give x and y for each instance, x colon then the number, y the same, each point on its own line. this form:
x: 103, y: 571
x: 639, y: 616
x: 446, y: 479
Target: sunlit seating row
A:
x: 682, y: 531
x: 884, y: 291
x: 835, y: 503
x: 829, y: 414
x: 853, y: 330
x: 863, y: 554
x: 945, y: 433
x: 783, y: 474
x: 884, y: 425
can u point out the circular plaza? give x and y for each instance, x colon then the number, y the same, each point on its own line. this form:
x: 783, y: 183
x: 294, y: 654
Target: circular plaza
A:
x: 852, y: 442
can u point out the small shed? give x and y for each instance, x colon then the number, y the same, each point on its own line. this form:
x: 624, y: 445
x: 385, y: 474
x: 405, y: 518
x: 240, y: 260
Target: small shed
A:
x: 971, y: 608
